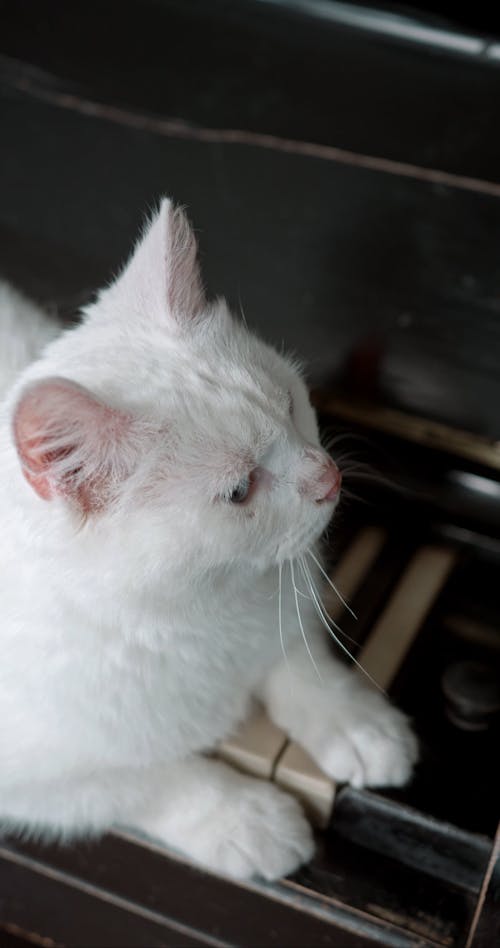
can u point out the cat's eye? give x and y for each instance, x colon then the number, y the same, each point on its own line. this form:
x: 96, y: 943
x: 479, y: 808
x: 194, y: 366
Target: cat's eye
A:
x: 240, y: 493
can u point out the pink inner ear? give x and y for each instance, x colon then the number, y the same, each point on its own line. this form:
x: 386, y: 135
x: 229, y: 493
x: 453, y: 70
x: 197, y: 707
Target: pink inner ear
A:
x: 184, y: 286
x: 162, y: 279
x: 69, y: 443
x: 36, y: 472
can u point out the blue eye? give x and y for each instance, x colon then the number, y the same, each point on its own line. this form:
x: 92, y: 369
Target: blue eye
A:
x: 240, y: 493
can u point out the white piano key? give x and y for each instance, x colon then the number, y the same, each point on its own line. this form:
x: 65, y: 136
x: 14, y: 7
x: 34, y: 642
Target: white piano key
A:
x: 353, y: 567
x: 256, y: 746
x: 300, y: 775
x: 394, y: 633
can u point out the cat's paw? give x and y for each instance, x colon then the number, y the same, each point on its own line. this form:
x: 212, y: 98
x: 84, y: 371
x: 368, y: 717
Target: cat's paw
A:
x: 375, y: 749
x: 259, y: 832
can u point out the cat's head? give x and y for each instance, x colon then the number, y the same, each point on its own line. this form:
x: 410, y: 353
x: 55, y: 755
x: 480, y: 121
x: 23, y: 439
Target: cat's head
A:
x: 162, y: 421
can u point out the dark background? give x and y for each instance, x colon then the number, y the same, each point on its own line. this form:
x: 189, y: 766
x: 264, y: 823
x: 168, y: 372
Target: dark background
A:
x: 322, y: 217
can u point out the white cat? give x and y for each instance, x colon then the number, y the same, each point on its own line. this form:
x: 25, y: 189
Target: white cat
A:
x: 161, y: 471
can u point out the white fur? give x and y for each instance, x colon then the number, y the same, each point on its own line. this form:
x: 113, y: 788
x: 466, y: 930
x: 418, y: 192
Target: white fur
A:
x: 135, y: 633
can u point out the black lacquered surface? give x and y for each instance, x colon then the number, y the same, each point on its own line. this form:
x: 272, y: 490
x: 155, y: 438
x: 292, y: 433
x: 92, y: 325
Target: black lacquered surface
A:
x: 296, y: 70
x: 323, y: 253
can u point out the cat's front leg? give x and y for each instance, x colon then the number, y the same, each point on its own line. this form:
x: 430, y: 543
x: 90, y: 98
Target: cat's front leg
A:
x: 223, y: 820
x: 351, y: 730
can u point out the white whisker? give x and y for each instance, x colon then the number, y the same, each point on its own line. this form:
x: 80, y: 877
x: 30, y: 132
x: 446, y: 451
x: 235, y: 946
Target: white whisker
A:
x: 299, y: 617
x: 280, y: 620
x: 319, y: 602
x: 325, y: 574
x: 303, y: 595
x: 335, y: 637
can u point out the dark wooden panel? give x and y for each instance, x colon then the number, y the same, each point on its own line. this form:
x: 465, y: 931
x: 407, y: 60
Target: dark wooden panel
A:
x: 332, y: 260
x: 14, y: 938
x: 61, y: 910
x: 271, y: 68
x: 119, y: 890
x: 485, y: 929
x: 372, y: 882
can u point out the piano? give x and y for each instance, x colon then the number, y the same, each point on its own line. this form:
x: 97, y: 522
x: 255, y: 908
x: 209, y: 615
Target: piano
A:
x: 342, y: 165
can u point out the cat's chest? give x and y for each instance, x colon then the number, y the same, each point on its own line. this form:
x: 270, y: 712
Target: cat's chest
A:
x: 189, y: 693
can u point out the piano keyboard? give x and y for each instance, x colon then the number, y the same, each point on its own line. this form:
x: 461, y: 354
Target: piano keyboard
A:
x: 262, y: 749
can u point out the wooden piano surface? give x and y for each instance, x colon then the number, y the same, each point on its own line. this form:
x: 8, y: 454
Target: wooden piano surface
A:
x: 346, y: 185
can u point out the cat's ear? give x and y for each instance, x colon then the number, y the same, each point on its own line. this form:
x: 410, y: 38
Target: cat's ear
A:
x: 162, y: 278
x: 72, y: 445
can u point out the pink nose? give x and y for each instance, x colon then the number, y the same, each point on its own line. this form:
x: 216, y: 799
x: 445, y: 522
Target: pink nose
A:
x: 327, y: 486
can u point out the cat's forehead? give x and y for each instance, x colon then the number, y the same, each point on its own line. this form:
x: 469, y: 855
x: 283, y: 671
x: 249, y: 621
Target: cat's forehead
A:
x: 233, y: 367
x: 231, y: 399
x: 221, y: 378
x: 235, y: 407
